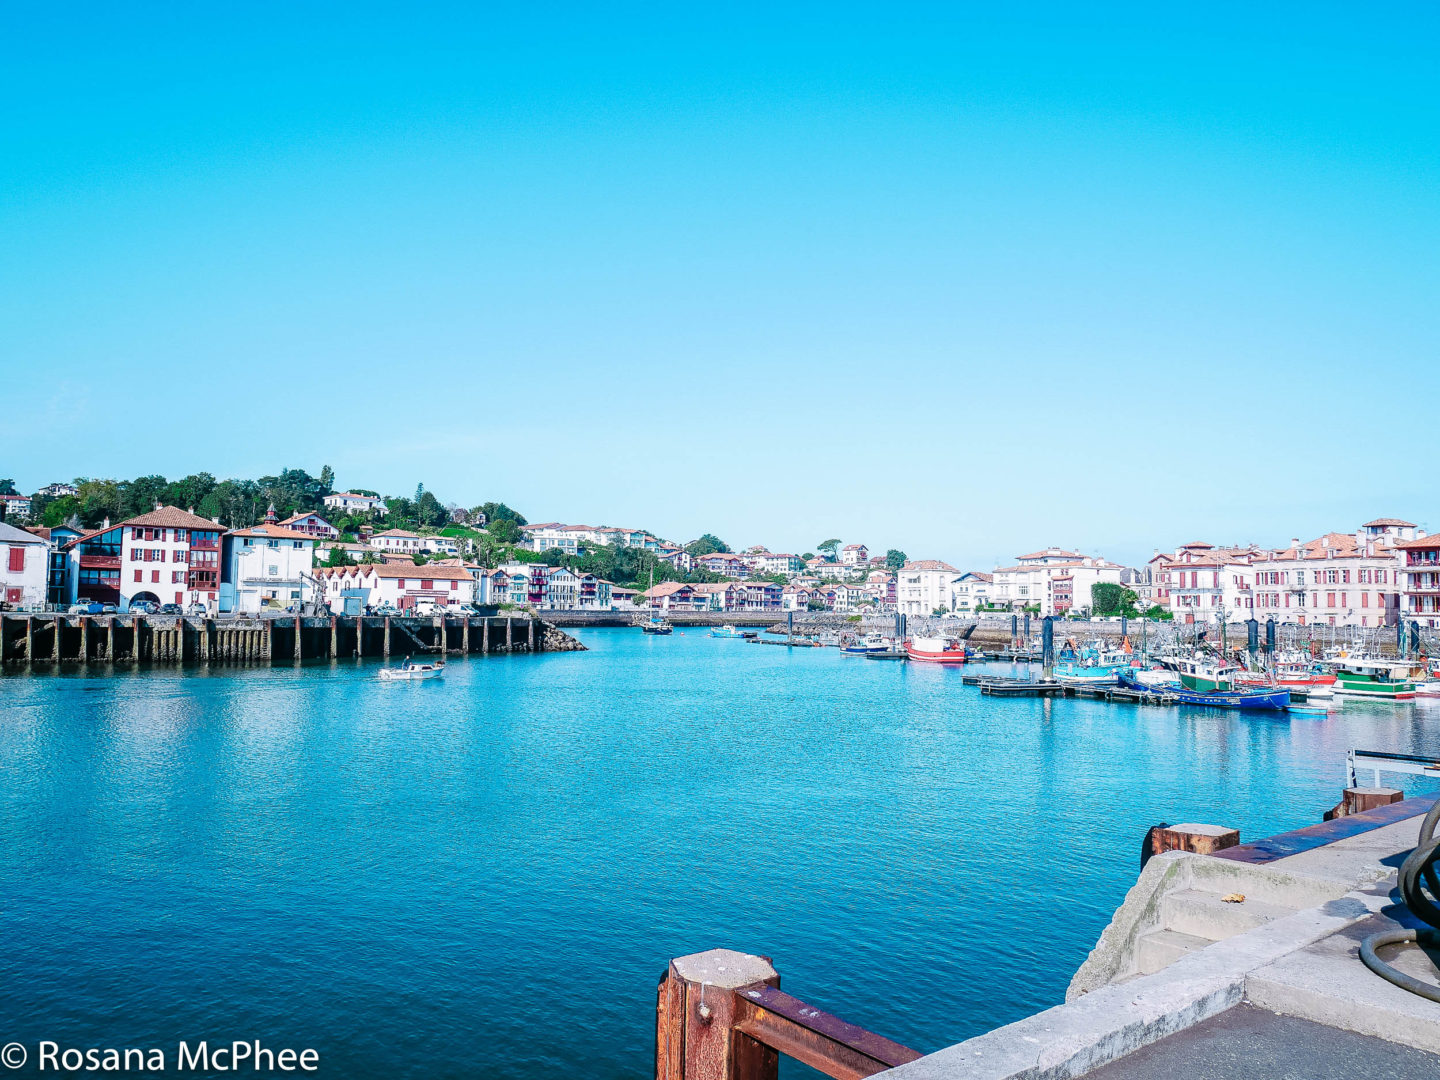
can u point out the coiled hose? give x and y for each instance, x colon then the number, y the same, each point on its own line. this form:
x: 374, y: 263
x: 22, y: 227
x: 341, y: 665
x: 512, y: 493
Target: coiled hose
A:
x: 1416, y: 874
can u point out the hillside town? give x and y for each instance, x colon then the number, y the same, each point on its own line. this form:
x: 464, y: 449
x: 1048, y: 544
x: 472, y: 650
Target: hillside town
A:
x: 344, y: 556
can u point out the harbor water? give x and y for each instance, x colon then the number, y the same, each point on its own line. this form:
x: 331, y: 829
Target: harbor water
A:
x: 485, y: 875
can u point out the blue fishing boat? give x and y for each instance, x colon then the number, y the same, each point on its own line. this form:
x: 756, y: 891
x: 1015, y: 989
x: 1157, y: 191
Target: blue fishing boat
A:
x: 1221, y: 697
x: 727, y: 632
x: 1091, y: 665
x: 870, y: 643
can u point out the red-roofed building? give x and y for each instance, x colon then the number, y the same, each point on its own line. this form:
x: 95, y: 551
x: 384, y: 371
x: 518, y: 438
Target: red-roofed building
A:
x: 267, y: 567
x: 168, y: 556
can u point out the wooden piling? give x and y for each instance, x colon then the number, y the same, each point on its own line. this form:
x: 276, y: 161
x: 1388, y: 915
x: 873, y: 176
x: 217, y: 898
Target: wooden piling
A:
x: 299, y: 638
x: 134, y: 639
x: 440, y: 634
x: 110, y: 640
x: 84, y: 639
x: 359, y: 636
x: 59, y: 624
x: 530, y: 633
x: 465, y: 636
x: 387, y: 637
x: 509, y: 633
x: 29, y: 639
x: 334, y: 639
x: 485, y: 636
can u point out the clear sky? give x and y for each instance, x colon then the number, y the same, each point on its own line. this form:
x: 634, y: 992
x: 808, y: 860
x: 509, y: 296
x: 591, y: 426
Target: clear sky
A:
x: 960, y: 280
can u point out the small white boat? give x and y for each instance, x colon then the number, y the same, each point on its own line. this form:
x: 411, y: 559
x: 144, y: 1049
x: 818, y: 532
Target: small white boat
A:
x: 411, y: 672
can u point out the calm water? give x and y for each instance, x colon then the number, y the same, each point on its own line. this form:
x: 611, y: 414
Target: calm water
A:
x: 487, y: 875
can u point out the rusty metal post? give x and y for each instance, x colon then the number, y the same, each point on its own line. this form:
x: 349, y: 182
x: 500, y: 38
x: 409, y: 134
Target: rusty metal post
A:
x: 359, y: 635
x: 299, y: 638
x: 465, y: 636
x: 334, y: 639
x: 135, y: 639
x: 530, y: 640
x: 509, y: 633
x: 485, y: 635
x: 387, y: 637
x: 59, y: 625
x: 110, y: 640
x: 29, y: 639
x: 695, y: 1016
x: 1190, y: 836
x: 84, y: 639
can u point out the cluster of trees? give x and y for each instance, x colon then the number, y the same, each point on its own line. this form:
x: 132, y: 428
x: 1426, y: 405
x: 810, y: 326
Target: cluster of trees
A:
x: 1107, y: 598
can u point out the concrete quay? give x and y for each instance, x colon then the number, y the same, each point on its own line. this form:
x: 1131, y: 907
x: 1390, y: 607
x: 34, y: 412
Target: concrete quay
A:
x: 1241, y: 963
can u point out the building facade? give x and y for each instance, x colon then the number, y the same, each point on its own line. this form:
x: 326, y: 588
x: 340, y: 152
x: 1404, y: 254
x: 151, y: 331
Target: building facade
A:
x: 24, y: 567
x: 267, y: 567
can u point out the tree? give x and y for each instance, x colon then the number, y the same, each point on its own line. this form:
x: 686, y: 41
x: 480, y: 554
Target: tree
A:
x: 327, y: 479
x: 339, y: 557
x: 708, y: 544
x: 1105, y: 598
x: 807, y: 556
x: 429, y: 511
x: 57, y: 511
x: 505, y: 530
x: 7, y: 487
x: 498, y: 511
x: 827, y: 547
x: 895, y: 558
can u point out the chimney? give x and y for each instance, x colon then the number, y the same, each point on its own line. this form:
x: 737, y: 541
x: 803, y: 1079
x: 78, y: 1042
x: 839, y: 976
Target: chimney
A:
x: 106, y: 523
x: 1295, y: 541
x: 157, y: 505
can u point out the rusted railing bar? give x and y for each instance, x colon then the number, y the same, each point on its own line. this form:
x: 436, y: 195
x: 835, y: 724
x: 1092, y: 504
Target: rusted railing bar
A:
x: 806, y: 1046
x: 773, y: 1009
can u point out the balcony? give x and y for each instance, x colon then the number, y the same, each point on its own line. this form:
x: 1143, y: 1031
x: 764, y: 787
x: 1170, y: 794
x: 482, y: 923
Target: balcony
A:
x: 99, y: 562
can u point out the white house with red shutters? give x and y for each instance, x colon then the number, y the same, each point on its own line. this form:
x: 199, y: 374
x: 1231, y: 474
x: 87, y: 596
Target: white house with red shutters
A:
x: 311, y: 525
x: 168, y: 556
x: 24, y: 567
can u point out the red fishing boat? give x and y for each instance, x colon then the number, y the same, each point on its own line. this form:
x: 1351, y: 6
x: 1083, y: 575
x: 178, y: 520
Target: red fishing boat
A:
x: 940, y: 650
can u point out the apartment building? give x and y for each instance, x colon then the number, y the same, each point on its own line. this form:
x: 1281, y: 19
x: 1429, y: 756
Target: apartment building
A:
x: 168, y: 556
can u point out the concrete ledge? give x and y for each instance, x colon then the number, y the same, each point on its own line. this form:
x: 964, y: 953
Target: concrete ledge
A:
x: 1326, y: 982
x: 1071, y: 1039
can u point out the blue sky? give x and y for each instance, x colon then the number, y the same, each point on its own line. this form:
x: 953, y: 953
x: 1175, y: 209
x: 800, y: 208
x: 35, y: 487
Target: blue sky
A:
x: 951, y: 279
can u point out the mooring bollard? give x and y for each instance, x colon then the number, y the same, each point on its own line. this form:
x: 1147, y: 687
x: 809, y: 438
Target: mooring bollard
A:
x: 1194, y: 838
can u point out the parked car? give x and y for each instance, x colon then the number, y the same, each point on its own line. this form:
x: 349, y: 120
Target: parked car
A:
x: 108, y: 609
x: 84, y: 607
x: 196, y: 609
x: 387, y: 609
x: 171, y: 609
x: 143, y: 607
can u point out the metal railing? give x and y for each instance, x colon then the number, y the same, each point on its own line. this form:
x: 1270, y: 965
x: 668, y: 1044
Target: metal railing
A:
x: 721, y: 1015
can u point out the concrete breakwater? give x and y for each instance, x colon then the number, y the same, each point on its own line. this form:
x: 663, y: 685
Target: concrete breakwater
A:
x: 116, y: 639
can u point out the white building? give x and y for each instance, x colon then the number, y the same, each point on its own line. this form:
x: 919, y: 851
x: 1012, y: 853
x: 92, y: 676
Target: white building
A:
x: 24, y: 567
x: 17, y: 507
x: 265, y: 567
x: 397, y: 542
x: 311, y: 525
x: 854, y: 554
x: 404, y: 587
x: 440, y: 545
x: 971, y: 590
x: 924, y: 586
x: 58, y: 491
x: 168, y: 556
x: 1053, y: 580
x: 348, y: 502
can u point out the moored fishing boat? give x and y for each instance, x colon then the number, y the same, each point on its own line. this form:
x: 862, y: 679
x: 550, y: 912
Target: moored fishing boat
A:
x: 1388, y: 680
x: 870, y: 643
x: 732, y: 632
x: 1091, y: 665
x: 940, y: 650
x: 1224, y: 695
x: 1429, y: 686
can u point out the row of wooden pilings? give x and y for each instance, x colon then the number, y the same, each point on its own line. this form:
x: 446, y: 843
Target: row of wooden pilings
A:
x: 110, y: 639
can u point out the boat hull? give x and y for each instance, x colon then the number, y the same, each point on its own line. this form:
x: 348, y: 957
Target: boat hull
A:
x: 1260, y: 700
x: 949, y: 656
x: 413, y: 675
